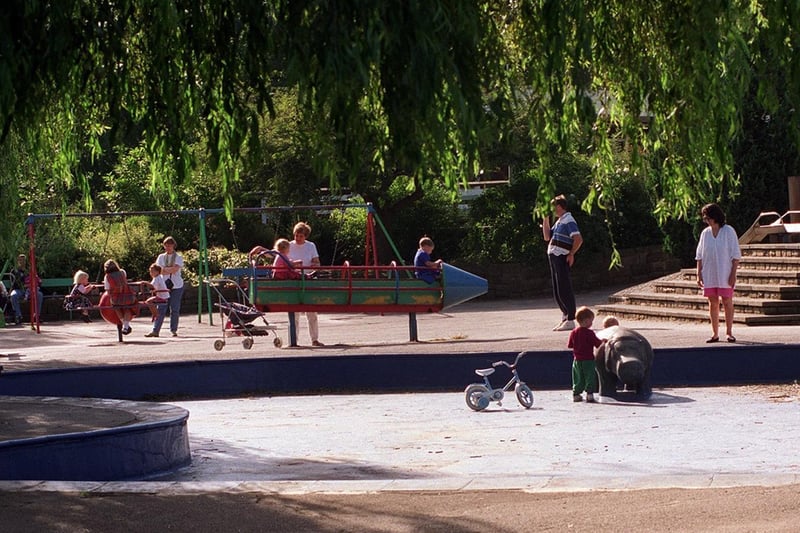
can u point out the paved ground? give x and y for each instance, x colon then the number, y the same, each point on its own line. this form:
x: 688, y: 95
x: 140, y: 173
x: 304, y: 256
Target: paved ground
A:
x: 500, y: 326
x: 718, y: 460
x: 690, y: 459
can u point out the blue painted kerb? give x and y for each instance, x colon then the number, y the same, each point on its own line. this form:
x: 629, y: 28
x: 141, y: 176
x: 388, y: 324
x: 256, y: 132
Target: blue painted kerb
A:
x: 729, y: 365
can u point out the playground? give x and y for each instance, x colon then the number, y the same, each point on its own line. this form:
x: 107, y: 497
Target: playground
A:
x: 508, y: 468
x: 371, y: 287
x: 415, y: 450
x: 479, y: 326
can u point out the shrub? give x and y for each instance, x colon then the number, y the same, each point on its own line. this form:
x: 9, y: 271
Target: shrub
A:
x: 501, y: 228
x: 218, y: 259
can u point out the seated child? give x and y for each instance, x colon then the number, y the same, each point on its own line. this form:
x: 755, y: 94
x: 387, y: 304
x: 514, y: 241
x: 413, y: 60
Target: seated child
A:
x: 78, y: 297
x: 123, y: 300
x: 257, y: 250
x: 281, y: 269
x: 160, y: 290
x: 609, y: 321
x: 255, y: 256
x: 426, y: 269
x: 610, y: 324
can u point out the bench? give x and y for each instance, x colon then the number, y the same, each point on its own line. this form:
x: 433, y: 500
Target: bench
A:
x: 52, y: 284
x: 55, y: 284
x: 237, y: 272
x: 56, y: 289
x: 53, y: 289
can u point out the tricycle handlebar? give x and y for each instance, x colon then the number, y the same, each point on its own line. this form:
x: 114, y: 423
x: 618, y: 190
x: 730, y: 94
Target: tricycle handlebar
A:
x: 506, y: 363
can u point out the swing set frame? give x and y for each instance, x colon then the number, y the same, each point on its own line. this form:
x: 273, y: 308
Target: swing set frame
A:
x: 370, y: 248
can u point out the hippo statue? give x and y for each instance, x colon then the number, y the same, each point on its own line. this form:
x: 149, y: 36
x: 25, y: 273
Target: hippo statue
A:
x: 626, y: 357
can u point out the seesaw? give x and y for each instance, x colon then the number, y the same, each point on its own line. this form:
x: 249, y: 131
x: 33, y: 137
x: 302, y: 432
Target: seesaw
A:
x: 109, y: 312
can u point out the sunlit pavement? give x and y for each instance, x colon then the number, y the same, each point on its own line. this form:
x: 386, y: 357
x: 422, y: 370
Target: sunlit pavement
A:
x: 686, y: 437
x: 682, y: 437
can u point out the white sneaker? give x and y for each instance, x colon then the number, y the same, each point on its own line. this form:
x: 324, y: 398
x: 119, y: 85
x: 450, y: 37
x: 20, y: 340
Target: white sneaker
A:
x: 567, y: 325
x: 557, y: 326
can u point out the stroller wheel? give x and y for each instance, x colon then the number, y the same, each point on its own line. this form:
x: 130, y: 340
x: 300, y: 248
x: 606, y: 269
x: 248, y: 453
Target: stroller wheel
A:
x: 219, y: 344
x: 277, y: 342
x: 247, y: 343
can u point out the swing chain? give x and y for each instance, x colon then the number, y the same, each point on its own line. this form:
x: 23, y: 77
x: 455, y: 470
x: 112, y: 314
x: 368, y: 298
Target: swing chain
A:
x: 233, y: 233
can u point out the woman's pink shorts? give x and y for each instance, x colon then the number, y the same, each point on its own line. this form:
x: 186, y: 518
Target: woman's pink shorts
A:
x: 722, y: 292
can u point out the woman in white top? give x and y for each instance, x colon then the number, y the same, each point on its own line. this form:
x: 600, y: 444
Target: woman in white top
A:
x: 301, y: 249
x: 171, y: 264
x: 718, y: 258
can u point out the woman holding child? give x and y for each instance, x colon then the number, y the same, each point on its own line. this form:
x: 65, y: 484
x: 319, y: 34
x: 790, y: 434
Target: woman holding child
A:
x: 301, y: 254
x: 171, y: 264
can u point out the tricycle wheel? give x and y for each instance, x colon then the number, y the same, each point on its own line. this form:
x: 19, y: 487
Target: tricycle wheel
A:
x: 477, y: 397
x: 247, y: 343
x: 524, y: 395
x: 219, y: 344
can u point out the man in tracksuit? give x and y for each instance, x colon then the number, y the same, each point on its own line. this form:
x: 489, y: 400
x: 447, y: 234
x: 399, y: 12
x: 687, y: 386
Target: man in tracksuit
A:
x: 564, y: 241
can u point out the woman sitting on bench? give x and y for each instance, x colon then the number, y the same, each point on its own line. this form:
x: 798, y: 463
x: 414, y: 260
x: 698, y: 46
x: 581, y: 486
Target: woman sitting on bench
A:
x: 122, y: 298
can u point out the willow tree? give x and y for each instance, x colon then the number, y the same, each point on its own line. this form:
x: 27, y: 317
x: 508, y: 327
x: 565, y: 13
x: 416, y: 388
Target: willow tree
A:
x: 415, y: 84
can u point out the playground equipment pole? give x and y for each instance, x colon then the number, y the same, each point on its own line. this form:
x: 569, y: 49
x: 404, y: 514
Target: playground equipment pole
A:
x: 204, y: 272
x: 34, y: 288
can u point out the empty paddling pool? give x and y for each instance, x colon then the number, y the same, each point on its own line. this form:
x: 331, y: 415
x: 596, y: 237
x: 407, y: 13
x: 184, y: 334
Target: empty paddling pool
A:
x: 90, y: 439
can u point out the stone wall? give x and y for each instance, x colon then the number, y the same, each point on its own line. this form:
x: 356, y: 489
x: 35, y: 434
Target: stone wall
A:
x: 515, y: 280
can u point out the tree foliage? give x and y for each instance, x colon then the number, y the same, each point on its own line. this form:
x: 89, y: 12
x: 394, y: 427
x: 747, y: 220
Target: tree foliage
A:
x: 388, y: 88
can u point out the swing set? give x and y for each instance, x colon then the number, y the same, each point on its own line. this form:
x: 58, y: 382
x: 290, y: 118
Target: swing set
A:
x: 346, y: 288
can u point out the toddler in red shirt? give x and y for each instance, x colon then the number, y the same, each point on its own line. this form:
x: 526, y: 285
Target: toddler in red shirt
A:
x: 583, y: 341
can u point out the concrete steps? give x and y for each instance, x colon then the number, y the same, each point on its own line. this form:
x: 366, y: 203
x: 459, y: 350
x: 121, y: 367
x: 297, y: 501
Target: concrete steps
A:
x: 642, y: 312
x: 753, y: 290
x: 767, y: 291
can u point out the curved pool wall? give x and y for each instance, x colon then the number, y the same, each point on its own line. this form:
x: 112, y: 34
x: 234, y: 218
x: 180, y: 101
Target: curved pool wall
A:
x: 679, y: 367
x: 157, y: 441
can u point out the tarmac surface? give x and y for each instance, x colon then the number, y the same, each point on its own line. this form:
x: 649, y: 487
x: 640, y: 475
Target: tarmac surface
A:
x: 682, y: 438
x: 479, y: 326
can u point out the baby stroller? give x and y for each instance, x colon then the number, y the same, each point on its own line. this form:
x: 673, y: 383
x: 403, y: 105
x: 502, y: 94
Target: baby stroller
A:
x: 237, y: 318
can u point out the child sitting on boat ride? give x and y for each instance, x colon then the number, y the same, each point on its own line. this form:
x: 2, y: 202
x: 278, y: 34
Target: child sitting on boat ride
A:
x: 426, y: 269
x: 282, y: 266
